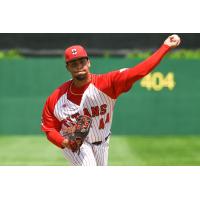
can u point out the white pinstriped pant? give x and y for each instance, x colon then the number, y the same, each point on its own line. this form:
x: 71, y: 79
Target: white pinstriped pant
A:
x: 90, y: 155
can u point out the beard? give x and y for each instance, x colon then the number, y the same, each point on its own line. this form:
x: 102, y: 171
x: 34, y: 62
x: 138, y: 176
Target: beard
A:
x: 81, y: 77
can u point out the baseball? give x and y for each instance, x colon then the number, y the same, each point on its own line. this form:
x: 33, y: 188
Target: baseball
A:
x: 175, y: 37
x: 173, y: 41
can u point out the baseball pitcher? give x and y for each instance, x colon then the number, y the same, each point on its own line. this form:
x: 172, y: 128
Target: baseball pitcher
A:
x: 77, y: 116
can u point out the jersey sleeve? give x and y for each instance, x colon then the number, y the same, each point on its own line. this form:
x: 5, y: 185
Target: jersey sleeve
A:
x: 122, y: 80
x: 50, y: 124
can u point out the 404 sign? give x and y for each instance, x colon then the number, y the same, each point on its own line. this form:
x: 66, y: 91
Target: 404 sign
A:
x: 157, y: 81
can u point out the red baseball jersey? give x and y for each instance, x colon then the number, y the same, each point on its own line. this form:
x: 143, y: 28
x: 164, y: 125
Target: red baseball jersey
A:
x: 95, y: 99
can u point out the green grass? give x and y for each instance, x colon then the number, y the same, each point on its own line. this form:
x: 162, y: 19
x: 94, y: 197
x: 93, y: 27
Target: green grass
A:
x: 124, y: 151
x: 155, y: 151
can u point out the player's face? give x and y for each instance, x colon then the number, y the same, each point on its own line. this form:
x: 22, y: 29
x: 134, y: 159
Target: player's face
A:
x: 79, y: 68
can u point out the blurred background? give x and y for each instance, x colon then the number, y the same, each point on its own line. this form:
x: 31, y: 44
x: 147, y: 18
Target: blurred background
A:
x: 155, y: 123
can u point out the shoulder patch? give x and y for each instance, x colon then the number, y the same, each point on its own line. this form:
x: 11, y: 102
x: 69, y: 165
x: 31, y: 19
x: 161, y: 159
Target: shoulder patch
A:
x: 121, y: 70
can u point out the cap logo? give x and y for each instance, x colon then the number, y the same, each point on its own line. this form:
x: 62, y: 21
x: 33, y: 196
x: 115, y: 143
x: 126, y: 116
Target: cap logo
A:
x: 74, y: 51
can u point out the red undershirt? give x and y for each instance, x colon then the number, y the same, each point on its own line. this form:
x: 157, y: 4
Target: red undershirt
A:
x: 75, y: 93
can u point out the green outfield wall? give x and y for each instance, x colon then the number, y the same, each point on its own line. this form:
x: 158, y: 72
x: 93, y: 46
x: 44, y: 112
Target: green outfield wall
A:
x: 165, y: 102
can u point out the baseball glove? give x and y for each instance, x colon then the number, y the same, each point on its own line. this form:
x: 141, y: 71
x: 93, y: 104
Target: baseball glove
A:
x: 81, y: 130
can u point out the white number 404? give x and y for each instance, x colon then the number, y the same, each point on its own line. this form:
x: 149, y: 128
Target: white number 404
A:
x: 157, y: 81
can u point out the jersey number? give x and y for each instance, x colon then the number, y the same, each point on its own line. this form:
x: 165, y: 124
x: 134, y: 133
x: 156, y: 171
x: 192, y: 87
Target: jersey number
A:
x: 102, y: 123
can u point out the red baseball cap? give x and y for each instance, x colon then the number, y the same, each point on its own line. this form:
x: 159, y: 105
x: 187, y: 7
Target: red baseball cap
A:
x: 75, y: 52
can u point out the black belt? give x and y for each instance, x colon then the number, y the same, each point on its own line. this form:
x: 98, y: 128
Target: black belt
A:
x: 100, y: 142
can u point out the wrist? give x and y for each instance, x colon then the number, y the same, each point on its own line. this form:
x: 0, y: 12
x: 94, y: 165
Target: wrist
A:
x: 166, y: 46
x: 65, y: 143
